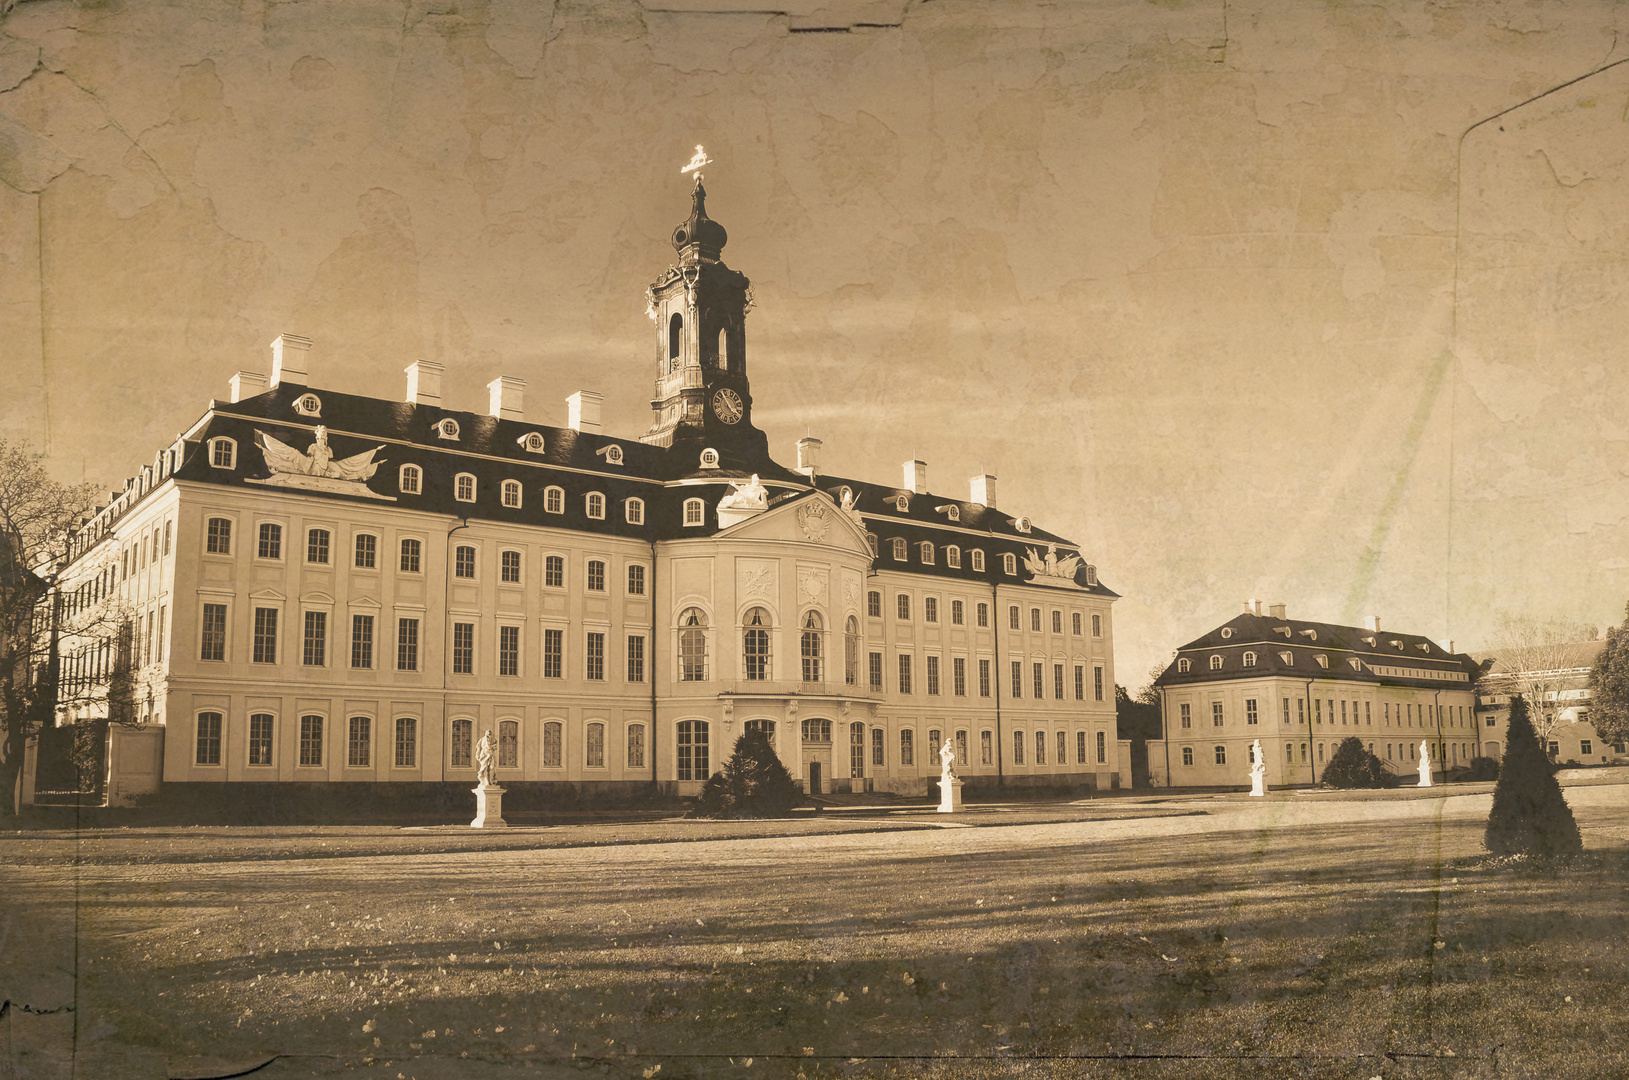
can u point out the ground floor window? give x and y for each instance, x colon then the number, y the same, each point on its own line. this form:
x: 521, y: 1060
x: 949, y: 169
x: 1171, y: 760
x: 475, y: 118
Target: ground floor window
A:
x: 1063, y: 747
x: 636, y: 746
x: 407, y: 742
x: 508, y: 744
x: 856, y: 750
x: 311, y: 741
x: 692, y: 750
x: 209, y: 739
x: 260, y: 739
x: 1221, y: 755
x: 1102, y: 748
x: 1080, y: 748
x: 1018, y: 748
x: 1040, y: 748
x: 1289, y: 753
x: 553, y: 740
x: 1187, y: 755
x: 876, y: 747
x: 594, y: 747
x: 986, y: 747
x: 907, y: 749
x: 360, y: 742
x: 462, y: 745
x: 961, y: 748
x: 933, y: 745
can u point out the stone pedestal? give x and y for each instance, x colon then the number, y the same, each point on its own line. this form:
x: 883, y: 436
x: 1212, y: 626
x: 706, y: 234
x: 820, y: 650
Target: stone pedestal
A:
x: 1425, y: 778
x: 489, y: 808
x: 950, y: 796
x: 1258, y: 786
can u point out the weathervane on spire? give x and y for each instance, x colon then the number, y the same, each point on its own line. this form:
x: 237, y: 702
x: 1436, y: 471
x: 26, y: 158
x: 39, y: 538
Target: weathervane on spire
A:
x: 697, y: 161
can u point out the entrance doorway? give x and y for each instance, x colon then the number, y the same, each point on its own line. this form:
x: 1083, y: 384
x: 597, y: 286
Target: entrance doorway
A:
x: 814, y: 778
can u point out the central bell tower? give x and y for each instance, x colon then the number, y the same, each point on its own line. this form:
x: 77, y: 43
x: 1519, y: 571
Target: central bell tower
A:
x: 699, y: 307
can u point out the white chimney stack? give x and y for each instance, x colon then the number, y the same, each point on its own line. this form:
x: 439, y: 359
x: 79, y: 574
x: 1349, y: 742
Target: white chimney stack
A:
x: 424, y: 382
x: 809, y: 457
x: 583, y: 411
x: 1250, y: 607
x: 504, y: 396
x: 1276, y: 611
x: 289, y: 360
x: 916, y: 477
x: 1374, y: 624
x: 984, y: 490
x: 246, y: 384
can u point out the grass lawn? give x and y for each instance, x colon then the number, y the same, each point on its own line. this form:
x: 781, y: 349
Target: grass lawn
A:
x: 1287, y: 938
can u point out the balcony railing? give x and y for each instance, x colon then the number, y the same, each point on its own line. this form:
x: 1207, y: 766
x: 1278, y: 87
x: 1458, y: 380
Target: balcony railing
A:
x: 790, y: 688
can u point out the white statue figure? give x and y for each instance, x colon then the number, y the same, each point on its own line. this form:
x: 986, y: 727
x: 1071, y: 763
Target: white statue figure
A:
x: 1258, y: 771
x: 849, y: 506
x: 950, y: 785
x: 486, y: 760
x: 1425, y: 764
x: 1049, y: 565
x: 318, y: 461
x: 947, y: 760
x: 749, y: 496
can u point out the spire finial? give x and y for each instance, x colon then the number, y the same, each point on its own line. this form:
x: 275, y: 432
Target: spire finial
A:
x: 697, y: 161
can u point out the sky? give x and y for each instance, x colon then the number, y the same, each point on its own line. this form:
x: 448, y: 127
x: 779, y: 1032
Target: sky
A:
x: 1316, y: 304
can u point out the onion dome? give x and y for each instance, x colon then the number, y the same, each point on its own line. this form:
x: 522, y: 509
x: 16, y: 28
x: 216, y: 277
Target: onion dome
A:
x: 699, y: 235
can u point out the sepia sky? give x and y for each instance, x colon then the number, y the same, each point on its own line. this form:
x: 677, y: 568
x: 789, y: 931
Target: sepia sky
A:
x: 1322, y: 304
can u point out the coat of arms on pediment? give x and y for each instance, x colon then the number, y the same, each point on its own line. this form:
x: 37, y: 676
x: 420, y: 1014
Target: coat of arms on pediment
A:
x: 316, y: 469
x: 814, y: 519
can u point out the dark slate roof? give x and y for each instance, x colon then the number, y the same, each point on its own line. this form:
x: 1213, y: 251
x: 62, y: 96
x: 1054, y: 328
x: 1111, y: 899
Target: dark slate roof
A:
x: 1268, y: 637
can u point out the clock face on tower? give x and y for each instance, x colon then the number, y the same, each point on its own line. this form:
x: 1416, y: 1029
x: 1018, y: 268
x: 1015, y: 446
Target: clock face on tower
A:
x: 727, y: 406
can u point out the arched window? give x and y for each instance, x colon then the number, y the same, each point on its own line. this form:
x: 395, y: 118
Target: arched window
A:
x: 851, y: 652
x: 634, y: 511
x: 1249, y: 659
x: 926, y: 550
x: 595, y: 505
x: 1009, y: 563
x: 898, y: 544
x: 553, y: 750
x: 811, y: 652
x: 223, y: 453
x: 765, y: 726
x: 953, y: 556
x: 511, y: 493
x: 1183, y: 665
x: 724, y: 348
x: 675, y: 340
x: 408, y: 479
x: 508, y: 744
x: 856, y: 750
x: 692, y: 646
x: 695, y: 512
x: 594, y: 746
x: 755, y: 644
x: 691, y: 746
x: 462, y: 743
x: 817, y: 731
x: 978, y: 561
x: 1216, y: 663
x: 554, y: 500
x: 464, y: 487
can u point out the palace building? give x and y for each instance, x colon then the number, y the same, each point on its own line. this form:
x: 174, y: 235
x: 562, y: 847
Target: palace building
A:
x: 1302, y: 688
x: 329, y: 588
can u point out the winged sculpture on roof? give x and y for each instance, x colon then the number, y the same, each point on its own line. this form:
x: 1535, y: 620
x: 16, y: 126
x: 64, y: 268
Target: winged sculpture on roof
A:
x: 1049, y: 565
x: 317, y: 468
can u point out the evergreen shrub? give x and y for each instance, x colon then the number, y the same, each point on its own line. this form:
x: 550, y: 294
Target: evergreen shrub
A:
x: 752, y: 784
x: 1353, y: 766
x: 1530, y: 816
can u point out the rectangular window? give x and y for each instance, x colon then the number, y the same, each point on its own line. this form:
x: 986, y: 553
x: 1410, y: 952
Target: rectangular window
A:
x: 1063, y: 748
x: 265, y: 651
x: 1057, y: 681
x: 1035, y: 626
x: 554, y: 572
x: 955, y: 613
x: 1102, y: 748
x: 214, y: 635
x: 407, y: 644
x: 1286, y: 710
x: 411, y: 550
x: 260, y: 739
x: 311, y: 742
x: 636, y: 580
x: 271, y: 541
x: 1057, y: 622
x: 595, y: 668
x: 636, y: 746
x: 1080, y: 682
x: 907, y: 748
x: 594, y: 747
x: 1036, y: 681
x: 1216, y: 714
x: 958, y: 675
x: 1017, y: 678
x: 636, y: 658
x: 902, y: 605
x: 983, y: 614
x: 1018, y: 748
x: 509, y: 650
x: 1097, y: 683
x: 986, y: 748
x: 933, y: 675
x: 1040, y: 748
x: 874, y: 670
x: 464, y: 562
x: 1074, y: 623
x: 360, y: 743
x: 596, y: 576
x: 1343, y: 712
x: 314, y: 652
x: 316, y: 546
x: 463, y: 650
x: 407, y: 742
x: 362, y: 641
x: 930, y: 609
x: 1586, y: 746
x: 1186, y: 712
x: 367, y: 551
x: 554, y: 647
x: 873, y: 604
x: 1012, y: 618
x: 1097, y: 626
x: 509, y: 567
x: 904, y: 673
x: 1250, y: 716
x: 984, y: 678
x: 876, y: 747
x: 1368, y: 714
x: 209, y: 739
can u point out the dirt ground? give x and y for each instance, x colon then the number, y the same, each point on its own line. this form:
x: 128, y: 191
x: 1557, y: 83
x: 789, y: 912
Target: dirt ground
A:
x: 1197, y: 937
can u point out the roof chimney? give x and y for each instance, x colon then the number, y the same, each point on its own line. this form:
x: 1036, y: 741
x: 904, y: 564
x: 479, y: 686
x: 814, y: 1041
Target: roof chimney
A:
x: 983, y: 490
x: 1276, y: 611
x: 246, y: 384
x: 583, y: 411
x: 424, y: 382
x: 1374, y: 624
x: 1250, y: 607
x: 809, y: 457
x: 916, y: 477
x: 289, y: 360
x: 504, y: 397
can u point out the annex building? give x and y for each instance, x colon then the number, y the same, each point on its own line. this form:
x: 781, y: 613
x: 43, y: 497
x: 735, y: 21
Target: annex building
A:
x: 330, y: 588
x: 1558, y: 677
x: 1303, y: 687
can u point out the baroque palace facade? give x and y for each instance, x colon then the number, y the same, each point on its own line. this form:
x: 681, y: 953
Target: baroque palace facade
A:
x: 1302, y: 688
x: 330, y: 588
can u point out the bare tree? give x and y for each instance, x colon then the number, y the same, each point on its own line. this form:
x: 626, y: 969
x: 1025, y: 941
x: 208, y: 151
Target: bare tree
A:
x: 1543, y: 660
x: 36, y: 515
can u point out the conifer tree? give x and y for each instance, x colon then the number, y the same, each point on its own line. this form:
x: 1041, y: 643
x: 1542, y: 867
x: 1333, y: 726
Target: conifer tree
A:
x: 1530, y: 815
x: 1609, y: 686
x: 752, y: 784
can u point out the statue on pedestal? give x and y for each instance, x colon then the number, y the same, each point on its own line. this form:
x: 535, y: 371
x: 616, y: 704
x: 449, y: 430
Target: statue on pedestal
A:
x: 1258, y: 771
x: 1425, y: 764
x: 950, y: 785
x: 486, y: 760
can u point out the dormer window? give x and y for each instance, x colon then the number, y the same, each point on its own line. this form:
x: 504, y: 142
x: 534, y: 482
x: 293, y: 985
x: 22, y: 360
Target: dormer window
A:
x: 1249, y: 659
x: 953, y: 556
x: 1227, y: 631
x: 902, y: 503
x: 1397, y: 645
x: 898, y: 545
x: 612, y: 454
x: 1425, y: 647
x: 409, y: 479
x: 447, y: 429
x: 1091, y: 575
x: 926, y: 550
x: 554, y: 500
x: 223, y: 453
x: 633, y: 511
x: 511, y: 494
x: 1310, y: 635
x: 1183, y: 665
x: 1288, y: 657
x: 308, y: 405
x: 1369, y: 641
x: 871, y: 542
x: 1282, y: 630
x: 1357, y: 665
x: 464, y: 487
x: 950, y: 511
x: 594, y: 505
x: 1009, y: 563
x: 1215, y: 662
x: 695, y: 512
x: 1021, y: 524
x: 1323, y: 661
x: 531, y: 442
x: 709, y: 458
x: 977, y: 560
